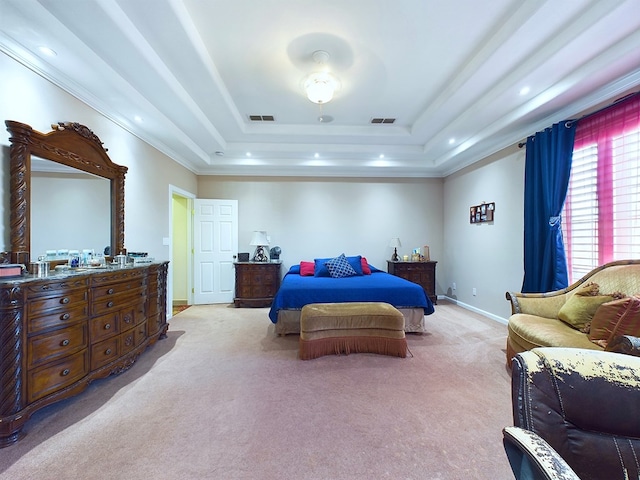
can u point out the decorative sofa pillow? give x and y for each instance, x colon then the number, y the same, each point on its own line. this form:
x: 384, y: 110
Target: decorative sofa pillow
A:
x: 618, y: 317
x: 578, y: 311
x: 340, y: 267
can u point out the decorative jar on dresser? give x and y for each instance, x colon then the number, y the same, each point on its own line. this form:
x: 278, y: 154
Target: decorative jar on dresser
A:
x: 256, y: 283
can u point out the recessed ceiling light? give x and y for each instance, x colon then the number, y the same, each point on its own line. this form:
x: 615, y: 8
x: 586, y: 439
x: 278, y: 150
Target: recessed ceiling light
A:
x: 317, y: 155
x: 138, y: 118
x: 381, y: 156
x: 524, y: 90
x: 48, y: 51
x: 248, y: 154
x: 452, y: 141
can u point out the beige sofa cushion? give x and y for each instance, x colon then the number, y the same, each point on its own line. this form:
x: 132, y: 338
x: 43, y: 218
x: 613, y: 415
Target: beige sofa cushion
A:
x: 530, y: 331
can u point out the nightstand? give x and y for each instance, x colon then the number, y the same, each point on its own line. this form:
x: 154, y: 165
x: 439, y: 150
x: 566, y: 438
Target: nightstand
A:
x: 422, y: 273
x: 256, y: 283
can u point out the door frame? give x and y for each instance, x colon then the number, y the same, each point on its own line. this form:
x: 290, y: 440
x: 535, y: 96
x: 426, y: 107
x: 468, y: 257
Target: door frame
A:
x: 176, y: 191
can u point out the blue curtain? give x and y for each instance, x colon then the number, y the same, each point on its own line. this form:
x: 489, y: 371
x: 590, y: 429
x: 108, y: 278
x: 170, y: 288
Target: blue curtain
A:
x: 547, y: 169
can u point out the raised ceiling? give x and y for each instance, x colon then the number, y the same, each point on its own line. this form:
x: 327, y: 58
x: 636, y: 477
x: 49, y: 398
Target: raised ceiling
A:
x: 186, y: 76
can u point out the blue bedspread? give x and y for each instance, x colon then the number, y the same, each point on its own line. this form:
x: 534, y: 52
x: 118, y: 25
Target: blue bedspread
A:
x: 297, y: 291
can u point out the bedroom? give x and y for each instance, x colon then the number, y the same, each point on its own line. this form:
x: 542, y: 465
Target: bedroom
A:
x: 355, y: 213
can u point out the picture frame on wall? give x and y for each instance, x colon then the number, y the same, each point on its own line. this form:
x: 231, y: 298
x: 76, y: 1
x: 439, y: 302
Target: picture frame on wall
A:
x: 482, y: 213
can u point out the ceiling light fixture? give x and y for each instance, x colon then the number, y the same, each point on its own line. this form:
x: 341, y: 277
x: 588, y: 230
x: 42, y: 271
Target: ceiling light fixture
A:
x: 320, y: 86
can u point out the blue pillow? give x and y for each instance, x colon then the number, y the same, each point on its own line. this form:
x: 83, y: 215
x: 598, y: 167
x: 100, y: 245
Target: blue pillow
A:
x: 320, y: 270
x: 295, y: 269
x: 339, y: 267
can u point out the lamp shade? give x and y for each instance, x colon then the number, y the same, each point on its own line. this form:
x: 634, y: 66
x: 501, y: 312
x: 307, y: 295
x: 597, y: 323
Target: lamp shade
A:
x: 395, y: 242
x: 259, y: 238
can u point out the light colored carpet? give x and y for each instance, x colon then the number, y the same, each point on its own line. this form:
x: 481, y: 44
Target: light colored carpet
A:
x: 224, y: 398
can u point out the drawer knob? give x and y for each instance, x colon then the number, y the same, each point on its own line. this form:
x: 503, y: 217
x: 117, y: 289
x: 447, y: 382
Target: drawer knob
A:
x: 109, y: 304
x: 110, y: 291
x: 64, y: 316
x: 65, y: 372
x: 64, y: 342
x: 64, y: 300
x: 107, y: 351
x: 107, y: 326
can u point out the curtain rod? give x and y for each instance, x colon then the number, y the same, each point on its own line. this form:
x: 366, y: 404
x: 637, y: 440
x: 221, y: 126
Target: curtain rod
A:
x: 613, y: 104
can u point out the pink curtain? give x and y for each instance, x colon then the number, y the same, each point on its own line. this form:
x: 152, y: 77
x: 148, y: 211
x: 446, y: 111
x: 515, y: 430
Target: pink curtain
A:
x: 602, y: 129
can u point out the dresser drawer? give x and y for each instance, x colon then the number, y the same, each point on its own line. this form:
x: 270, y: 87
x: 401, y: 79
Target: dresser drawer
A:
x: 59, y: 318
x: 61, y: 300
x: 46, y: 347
x: 118, y: 288
x: 153, y: 324
x: 51, y: 287
x: 57, y: 375
x: 114, y: 303
x: 131, y: 316
x: 105, y: 352
x: 103, y: 327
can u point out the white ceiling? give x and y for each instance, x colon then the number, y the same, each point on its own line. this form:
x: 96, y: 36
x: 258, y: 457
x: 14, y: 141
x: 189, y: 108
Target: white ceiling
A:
x: 194, y: 71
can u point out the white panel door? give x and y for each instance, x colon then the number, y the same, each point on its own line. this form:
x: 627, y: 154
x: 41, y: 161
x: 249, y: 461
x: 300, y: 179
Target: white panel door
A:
x: 215, y: 244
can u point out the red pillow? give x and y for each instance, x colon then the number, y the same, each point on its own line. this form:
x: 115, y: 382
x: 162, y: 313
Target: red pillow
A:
x: 307, y: 268
x: 365, y: 267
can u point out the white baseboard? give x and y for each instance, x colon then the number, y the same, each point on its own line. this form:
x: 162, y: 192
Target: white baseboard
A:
x: 496, y: 318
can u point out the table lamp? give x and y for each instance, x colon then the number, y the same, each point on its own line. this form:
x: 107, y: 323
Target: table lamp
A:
x: 395, y: 243
x: 260, y: 241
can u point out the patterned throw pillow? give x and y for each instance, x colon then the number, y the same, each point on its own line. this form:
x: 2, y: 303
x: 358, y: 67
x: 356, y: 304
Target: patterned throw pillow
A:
x: 340, y: 267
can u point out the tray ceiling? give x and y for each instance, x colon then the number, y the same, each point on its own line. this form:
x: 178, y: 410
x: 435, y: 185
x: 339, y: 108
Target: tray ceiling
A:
x: 218, y: 85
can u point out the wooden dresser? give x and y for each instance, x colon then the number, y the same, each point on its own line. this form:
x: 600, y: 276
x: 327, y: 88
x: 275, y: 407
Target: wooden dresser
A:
x: 422, y: 273
x: 60, y: 332
x: 256, y: 283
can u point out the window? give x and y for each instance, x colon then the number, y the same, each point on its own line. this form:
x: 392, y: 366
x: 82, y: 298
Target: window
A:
x: 601, y: 216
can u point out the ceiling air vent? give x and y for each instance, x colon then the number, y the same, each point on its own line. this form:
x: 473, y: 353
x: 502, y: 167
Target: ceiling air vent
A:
x: 382, y: 120
x: 261, y: 118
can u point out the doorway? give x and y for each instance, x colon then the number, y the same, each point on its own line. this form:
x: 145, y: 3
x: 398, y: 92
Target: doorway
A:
x: 180, y: 274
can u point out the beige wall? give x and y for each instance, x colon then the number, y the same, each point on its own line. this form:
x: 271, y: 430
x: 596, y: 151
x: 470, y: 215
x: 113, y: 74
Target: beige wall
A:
x: 29, y: 98
x: 315, y: 217
x: 485, y: 256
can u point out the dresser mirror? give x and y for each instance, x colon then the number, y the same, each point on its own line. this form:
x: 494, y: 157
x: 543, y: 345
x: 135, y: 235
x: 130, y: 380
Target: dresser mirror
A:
x: 68, y: 145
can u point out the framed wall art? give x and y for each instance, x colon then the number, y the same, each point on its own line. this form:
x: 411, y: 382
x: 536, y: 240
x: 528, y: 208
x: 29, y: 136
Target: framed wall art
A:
x: 482, y: 213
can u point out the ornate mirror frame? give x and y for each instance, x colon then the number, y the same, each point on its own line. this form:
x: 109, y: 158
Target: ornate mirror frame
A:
x: 69, y: 144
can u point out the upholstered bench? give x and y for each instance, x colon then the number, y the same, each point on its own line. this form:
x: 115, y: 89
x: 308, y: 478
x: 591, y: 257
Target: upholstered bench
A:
x: 364, y: 327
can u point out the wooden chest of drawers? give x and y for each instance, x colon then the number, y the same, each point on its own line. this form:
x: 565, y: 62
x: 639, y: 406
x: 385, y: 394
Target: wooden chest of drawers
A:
x: 256, y: 283
x: 61, y: 332
x: 422, y: 273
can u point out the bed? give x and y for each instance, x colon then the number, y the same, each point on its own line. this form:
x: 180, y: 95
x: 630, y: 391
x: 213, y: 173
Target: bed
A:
x: 298, y: 290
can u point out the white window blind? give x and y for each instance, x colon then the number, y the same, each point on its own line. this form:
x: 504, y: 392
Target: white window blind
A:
x: 601, y: 215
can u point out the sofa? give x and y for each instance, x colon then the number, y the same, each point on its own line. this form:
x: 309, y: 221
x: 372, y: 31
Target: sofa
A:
x: 574, y: 414
x: 593, y: 313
